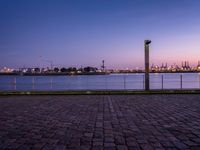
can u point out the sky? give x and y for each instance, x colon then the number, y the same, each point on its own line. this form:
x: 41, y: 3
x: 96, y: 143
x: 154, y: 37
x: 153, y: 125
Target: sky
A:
x: 85, y: 32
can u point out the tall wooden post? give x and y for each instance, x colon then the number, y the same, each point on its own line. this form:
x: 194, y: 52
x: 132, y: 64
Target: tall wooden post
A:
x: 146, y: 51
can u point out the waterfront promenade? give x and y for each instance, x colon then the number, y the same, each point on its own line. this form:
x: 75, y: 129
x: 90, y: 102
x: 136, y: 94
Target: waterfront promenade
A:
x: 100, y: 122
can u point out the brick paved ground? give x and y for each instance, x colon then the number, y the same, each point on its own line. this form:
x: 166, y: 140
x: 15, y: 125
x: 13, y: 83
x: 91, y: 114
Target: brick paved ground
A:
x: 100, y: 122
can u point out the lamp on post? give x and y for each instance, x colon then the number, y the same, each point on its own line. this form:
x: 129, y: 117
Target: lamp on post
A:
x: 146, y: 51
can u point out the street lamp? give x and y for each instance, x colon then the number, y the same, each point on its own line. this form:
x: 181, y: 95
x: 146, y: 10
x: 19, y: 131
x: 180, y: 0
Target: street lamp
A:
x: 146, y: 51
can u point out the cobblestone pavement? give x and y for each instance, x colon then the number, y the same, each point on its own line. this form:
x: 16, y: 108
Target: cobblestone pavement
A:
x: 103, y: 122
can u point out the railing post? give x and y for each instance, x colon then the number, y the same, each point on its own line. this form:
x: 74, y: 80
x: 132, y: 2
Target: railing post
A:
x: 124, y: 82
x: 15, y: 83
x: 51, y: 83
x: 87, y: 84
x: 199, y: 81
x: 162, y: 81
x: 33, y: 83
x: 143, y: 82
x: 106, y: 82
x: 181, y: 80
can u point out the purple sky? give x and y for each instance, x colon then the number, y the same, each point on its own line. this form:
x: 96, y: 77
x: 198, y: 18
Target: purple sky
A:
x: 84, y: 32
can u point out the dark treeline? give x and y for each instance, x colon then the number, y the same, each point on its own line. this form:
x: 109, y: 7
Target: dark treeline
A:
x: 60, y: 70
x: 57, y: 71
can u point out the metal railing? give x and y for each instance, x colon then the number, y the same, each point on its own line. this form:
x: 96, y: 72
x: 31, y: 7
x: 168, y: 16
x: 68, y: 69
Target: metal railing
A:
x: 105, y: 82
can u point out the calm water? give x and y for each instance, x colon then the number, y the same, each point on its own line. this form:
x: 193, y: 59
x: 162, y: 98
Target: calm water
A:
x: 93, y: 82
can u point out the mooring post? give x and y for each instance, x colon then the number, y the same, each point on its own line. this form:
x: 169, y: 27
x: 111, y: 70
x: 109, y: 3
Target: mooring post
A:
x: 146, y: 51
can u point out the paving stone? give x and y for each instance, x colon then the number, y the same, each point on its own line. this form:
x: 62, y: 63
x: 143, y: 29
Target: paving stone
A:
x: 146, y: 146
x: 100, y: 122
x: 197, y: 140
x: 108, y: 140
x: 191, y: 143
x: 88, y: 134
x: 181, y: 145
x: 97, y: 144
x: 109, y: 145
x: 167, y: 144
x: 39, y: 146
x: 195, y: 148
x: 25, y: 147
x: 159, y: 148
x: 119, y: 140
x: 134, y: 148
x: 109, y: 148
x: 97, y: 139
x: 122, y: 147
x: 97, y: 148
x: 60, y: 147
x: 85, y: 147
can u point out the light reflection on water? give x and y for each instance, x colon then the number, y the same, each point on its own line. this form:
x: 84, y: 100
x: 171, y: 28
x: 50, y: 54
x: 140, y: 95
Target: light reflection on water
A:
x: 100, y: 82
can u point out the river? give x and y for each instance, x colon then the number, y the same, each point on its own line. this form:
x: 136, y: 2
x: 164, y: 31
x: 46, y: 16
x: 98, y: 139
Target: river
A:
x: 100, y: 82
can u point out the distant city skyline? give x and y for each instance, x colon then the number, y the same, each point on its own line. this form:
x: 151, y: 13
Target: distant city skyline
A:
x: 83, y: 33
x: 183, y: 65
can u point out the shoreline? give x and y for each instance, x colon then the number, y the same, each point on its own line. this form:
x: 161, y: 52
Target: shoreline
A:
x: 52, y: 74
x: 96, y: 73
x: 101, y: 92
